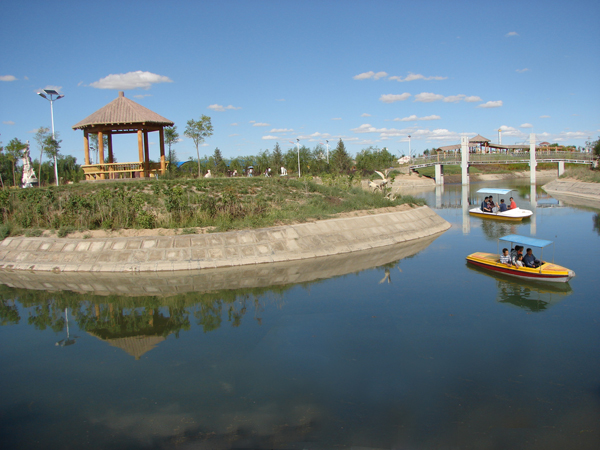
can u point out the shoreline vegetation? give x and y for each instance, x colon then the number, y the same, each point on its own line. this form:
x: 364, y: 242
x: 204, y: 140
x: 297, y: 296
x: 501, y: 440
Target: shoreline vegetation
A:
x: 189, y: 206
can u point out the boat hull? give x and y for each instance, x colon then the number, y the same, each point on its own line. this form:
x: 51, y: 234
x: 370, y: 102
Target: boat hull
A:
x: 511, y: 214
x: 548, y: 272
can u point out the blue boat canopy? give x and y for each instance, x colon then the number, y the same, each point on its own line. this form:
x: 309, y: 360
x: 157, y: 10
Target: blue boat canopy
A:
x: 494, y: 191
x: 527, y: 241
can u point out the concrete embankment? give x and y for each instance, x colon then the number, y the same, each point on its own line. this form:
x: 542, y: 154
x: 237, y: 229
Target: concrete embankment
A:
x: 166, y: 284
x: 574, y: 191
x: 217, y: 250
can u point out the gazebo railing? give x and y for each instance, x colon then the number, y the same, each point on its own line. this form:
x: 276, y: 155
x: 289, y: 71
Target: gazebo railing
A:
x: 120, y: 170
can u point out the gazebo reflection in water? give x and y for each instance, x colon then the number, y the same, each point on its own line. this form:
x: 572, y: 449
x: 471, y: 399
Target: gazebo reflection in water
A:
x: 123, y: 116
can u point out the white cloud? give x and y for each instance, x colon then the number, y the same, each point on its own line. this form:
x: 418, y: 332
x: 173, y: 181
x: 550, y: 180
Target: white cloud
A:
x: 130, y: 80
x: 314, y: 137
x: 526, y: 125
x: 544, y: 117
x: 370, y: 74
x: 142, y: 95
x: 234, y: 134
x: 8, y: 122
x: 271, y: 137
x: 7, y: 78
x: 491, y: 104
x: 416, y: 76
x: 427, y: 97
x: 280, y: 99
x: 368, y: 128
x: 260, y: 124
x: 391, y: 98
x: 512, y: 33
x: 281, y: 130
x: 511, y: 131
x: 365, y: 115
x: 472, y: 98
x: 234, y: 124
x: 523, y: 70
x: 337, y: 118
x: 454, y: 98
x: 221, y: 108
x: 570, y: 135
x: 413, y: 118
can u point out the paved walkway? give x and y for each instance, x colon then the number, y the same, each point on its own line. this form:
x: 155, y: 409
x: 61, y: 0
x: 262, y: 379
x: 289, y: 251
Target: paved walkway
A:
x: 237, y: 248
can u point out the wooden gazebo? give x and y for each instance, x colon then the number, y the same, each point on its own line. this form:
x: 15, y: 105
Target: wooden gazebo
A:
x: 123, y: 116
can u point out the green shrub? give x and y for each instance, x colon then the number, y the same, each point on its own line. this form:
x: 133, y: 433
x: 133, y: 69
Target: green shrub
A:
x: 5, y: 230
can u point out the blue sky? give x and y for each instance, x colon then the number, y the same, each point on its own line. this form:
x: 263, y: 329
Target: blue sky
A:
x: 369, y: 72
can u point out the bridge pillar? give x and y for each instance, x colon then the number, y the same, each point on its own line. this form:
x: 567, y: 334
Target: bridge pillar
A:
x: 532, y: 161
x: 465, y: 209
x: 439, y: 174
x: 464, y: 159
x: 561, y: 168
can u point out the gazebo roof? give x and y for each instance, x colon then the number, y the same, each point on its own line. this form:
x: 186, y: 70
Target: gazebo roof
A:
x: 123, y: 111
x: 478, y: 138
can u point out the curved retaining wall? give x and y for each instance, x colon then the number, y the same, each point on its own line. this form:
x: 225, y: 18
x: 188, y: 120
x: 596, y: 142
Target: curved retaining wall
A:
x: 236, y: 248
x: 574, y: 188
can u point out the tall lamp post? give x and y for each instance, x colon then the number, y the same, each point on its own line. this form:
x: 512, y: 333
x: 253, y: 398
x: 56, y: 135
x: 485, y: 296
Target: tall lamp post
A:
x: 409, y: 149
x: 298, y: 145
x: 51, y: 95
x: 327, y: 152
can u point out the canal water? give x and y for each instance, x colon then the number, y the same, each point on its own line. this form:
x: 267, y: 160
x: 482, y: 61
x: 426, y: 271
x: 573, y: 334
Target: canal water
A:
x: 405, y: 348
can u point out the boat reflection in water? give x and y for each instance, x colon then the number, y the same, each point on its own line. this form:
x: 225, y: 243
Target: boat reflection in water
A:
x: 532, y: 296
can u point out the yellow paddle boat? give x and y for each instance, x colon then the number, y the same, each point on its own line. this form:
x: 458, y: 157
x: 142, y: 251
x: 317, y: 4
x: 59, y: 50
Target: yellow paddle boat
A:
x: 545, y: 272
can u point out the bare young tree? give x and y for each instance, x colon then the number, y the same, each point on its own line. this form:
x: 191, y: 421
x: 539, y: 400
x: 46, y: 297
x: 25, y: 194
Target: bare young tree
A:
x: 198, y: 130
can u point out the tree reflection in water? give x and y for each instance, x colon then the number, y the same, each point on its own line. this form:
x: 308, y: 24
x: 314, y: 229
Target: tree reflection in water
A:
x: 120, y: 317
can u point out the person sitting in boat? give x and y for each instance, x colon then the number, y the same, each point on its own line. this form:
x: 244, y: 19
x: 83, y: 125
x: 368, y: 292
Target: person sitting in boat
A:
x: 505, y: 258
x: 519, y: 261
x: 515, y: 252
x: 491, y: 203
x: 530, y: 260
x: 502, y: 207
x: 512, y: 205
x: 485, y: 205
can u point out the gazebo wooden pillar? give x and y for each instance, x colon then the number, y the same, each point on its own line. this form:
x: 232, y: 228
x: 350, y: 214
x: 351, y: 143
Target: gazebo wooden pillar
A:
x: 122, y: 116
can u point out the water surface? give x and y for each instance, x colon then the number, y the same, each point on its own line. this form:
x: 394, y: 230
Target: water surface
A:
x: 410, y: 348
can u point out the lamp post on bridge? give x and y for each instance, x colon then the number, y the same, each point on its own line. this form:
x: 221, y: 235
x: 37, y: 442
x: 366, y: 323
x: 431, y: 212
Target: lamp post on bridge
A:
x: 409, y: 149
x: 50, y: 94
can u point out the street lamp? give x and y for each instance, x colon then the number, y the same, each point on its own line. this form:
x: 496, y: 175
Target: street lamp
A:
x: 409, y: 150
x: 298, y: 145
x: 327, y: 152
x: 50, y: 94
x: 499, y: 136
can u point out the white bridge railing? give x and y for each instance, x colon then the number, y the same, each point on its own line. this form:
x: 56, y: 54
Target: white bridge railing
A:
x: 504, y: 158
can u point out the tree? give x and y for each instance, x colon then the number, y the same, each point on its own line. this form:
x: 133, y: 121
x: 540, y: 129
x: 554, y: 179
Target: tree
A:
x: 277, y: 158
x: 197, y: 131
x: 14, y: 151
x: 219, y: 164
x: 340, y: 158
x: 51, y: 148
x: 596, y: 147
x: 94, y: 144
x: 40, y: 137
x: 171, y: 138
